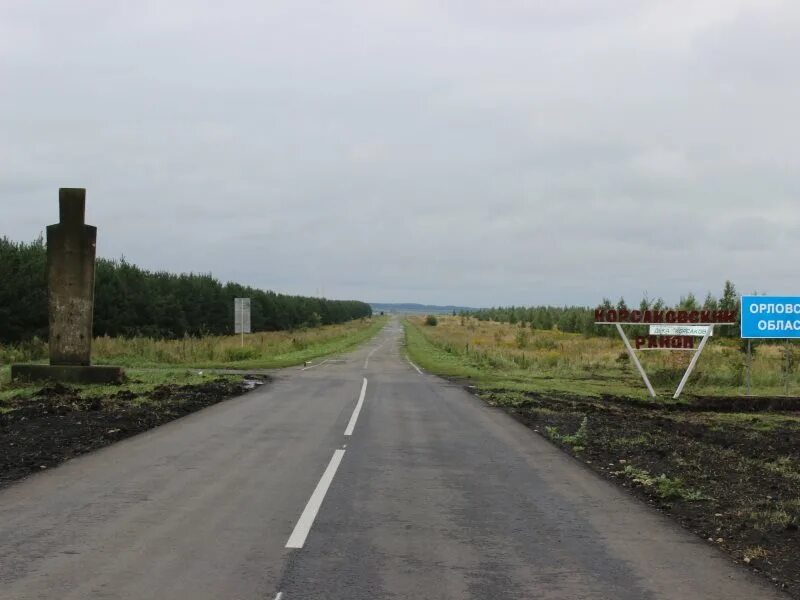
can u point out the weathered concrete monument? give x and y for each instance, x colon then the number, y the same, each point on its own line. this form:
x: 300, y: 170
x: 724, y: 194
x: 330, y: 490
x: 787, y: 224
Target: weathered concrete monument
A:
x: 71, y: 246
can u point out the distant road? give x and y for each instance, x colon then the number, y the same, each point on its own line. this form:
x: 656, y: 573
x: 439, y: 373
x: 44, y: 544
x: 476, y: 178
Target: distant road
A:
x: 431, y: 495
x: 417, y: 308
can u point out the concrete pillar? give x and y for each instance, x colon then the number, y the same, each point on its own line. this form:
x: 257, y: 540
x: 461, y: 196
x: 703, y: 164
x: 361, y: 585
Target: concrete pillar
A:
x: 71, y: 247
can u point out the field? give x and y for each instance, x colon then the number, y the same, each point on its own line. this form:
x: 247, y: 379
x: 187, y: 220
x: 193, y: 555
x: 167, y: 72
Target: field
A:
x: 724, y: 465
x: 265, y: 350
x: 514, y: 357
x: 42, y: 426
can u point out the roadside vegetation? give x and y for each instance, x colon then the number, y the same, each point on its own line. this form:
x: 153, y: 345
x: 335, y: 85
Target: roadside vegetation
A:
x: 495, y: 354
x: 153, y: 363
x: 135, y: 302
x: 140, y: 382
x: 265, y: 350
x: 724, y: 465
x: 580, y: 319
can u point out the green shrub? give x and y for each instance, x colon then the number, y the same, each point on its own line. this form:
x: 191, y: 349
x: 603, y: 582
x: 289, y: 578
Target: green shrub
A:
x: 236, y: 354
x: 663, y: 487
x: 431, y: 320
x: 577, y: 440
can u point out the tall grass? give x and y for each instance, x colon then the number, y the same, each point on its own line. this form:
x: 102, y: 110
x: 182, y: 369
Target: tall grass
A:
x: 31, y: 350
x: 461, y: 345
x: 260, y: 350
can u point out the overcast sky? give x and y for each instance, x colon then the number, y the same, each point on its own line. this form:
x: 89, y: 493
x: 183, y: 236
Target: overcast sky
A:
x: 467, y: 152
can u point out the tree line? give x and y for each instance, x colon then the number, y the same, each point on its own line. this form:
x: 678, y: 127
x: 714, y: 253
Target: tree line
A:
x: 130, y: 301
x: 580, y: 319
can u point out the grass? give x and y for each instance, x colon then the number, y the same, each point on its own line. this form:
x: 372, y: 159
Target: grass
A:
x: 264, y: 350
x: 785, y: 466
x: 755, y: 553
x: 661, y: 486
x: 631, y: 442
x: 151, y: 363
x: 483, y: 353
x: 139, y: 382
x: 776, y: 519
x: 577, y: 440
x: 763, y: 422
x: 498, y: 355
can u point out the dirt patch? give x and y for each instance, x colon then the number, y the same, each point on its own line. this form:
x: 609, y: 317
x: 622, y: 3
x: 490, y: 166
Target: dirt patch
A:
x: 728, y: 469
x: 58, y: 423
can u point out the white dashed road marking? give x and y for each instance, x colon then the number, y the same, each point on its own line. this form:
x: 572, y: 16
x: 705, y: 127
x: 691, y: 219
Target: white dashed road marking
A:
x: 351, y: 425
x: 304, y: 524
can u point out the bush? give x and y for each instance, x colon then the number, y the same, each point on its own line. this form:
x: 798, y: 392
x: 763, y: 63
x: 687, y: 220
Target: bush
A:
x: 237, y: 354
x: 431, y: 320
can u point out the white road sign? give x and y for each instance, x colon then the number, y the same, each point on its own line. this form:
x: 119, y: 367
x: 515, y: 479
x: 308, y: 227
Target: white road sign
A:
x: 693, y: 330
x: 241, y: 319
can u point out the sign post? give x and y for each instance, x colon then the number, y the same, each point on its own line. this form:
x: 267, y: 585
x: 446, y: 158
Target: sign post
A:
x: 635, y: 360
x: 668, y: 330
x: 749, y: 366
x: 241, y: 316
x: 690, y: 368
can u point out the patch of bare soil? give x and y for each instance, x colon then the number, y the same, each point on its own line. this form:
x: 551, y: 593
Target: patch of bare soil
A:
x: 58, y: 424
x: 728, y: 469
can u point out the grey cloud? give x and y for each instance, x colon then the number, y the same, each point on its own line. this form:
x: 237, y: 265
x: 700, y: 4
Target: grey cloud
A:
x: 473, y: 153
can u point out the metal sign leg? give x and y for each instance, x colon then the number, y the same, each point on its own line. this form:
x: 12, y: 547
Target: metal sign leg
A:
x: 786, y: 369
x: 635, y: 360
x: 692, y: 364
x: 749, y: 367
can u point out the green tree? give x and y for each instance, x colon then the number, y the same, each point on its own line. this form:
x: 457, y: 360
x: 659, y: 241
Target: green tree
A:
x: 729, y: 301
x: 23, y: 290
x: 730, y: 298
x: 688, y: 302
x: 130, y: 301
x: 710, y: 303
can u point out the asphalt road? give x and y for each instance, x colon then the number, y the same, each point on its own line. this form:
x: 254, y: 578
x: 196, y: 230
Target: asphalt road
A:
x: 433, y: 495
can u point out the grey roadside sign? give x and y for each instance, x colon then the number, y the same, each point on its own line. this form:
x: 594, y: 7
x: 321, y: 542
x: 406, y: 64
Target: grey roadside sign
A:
x: 241, y: 319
